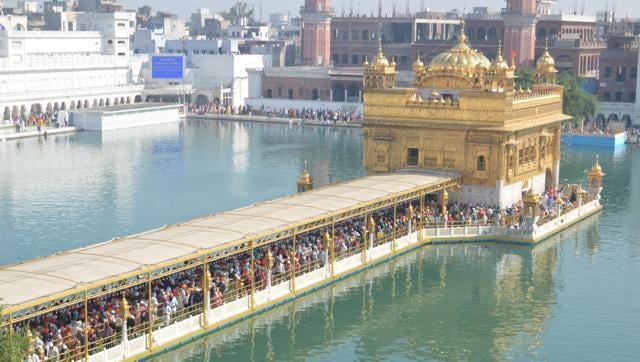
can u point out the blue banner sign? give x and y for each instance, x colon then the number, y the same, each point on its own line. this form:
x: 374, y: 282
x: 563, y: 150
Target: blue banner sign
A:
x: 167, y: 66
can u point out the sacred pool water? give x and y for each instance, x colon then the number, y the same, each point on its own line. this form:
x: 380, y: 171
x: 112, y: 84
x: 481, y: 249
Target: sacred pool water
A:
x: 574, y: 297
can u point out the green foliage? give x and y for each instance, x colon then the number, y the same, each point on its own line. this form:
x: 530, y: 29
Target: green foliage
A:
x: 13, y: 346
x: 524, y: 78
x: 576, y: 102
x: 238, y: 11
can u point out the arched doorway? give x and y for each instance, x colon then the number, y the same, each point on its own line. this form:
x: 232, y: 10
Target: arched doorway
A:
x: 482, y: 34
x: 353, y: 93
x: 202, y: 99
x: 15, y: 112
x: 137, y: 99
x: 6, y: 116
x: 95, y: 103
x: 128, y: 100
x: 338, y: 92
x: 86, y: 103
x: 107, y: 102
x: 116, y: 101
x: 626, y: 119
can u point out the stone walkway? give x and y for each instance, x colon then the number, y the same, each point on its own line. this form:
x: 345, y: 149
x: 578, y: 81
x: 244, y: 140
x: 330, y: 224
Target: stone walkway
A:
x: 8, y: 134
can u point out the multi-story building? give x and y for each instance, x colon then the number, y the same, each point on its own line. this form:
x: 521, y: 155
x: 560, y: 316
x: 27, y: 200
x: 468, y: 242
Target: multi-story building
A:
x: 571, y: 37
x: 619, y: 87
x: 48, y: 70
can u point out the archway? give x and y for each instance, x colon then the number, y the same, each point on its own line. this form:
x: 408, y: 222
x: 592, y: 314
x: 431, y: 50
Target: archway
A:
x: 471, y: 33
x: 121, y: 100
x: 95, y: 103
x: 613, y: 118
x: 493, y: 33
x: 202, y: 99
x: 49, y: 108
x: 482, y: 34
x: 353, y: 93
x: 15, y: 112
x: 542, y: 33
x: 128, y: 100
x: 116, y: 101
x: 137, y: 99
x: 72, y: 105
x: 6, y: 116
x: 63, y: 105
x: 107, y: 102
x: 86, y: 103
x: 626, y: 119
x: 56, y: 106
x: 338, y: 92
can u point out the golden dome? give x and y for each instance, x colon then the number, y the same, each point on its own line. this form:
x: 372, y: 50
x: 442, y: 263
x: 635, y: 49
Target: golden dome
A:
x: 366, y: 62
x: 546, y: 62
x: 499, y: 64
x: 461, y: 58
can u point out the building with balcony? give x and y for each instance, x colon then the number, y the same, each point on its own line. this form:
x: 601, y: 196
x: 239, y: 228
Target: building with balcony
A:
x: 619, y: 87
x: 42, y: 71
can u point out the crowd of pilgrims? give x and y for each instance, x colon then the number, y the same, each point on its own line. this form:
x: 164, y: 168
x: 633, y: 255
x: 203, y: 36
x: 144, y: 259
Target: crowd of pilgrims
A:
x: 307, y: 114
x: 61, y: 334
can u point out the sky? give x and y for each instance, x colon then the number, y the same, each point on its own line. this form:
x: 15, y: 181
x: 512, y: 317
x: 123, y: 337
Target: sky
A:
x: 186, y: 7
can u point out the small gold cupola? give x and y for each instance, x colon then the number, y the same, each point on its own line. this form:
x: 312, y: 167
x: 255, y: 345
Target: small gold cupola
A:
x: 594, y: 178
x: 380, y: 73
x: 546, y: 71
x: 499, y: 77
x: 305, y: 181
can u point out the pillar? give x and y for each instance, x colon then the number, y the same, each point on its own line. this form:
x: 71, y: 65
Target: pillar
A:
x: 268, y: 262
x: 124, y: 315
x: 410, y: 218
x: 372, y: 235
x: 326, y: 240
x: 206, y: 293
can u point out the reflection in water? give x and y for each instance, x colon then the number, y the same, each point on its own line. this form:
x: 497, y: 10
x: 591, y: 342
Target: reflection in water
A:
x: 123, y: 182
x: 445, y: 302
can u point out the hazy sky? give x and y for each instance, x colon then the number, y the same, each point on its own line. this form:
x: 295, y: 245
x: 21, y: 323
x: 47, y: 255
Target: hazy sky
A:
x: 185, y: 7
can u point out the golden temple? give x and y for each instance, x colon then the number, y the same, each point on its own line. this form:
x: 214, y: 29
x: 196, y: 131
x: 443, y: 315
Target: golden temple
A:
x: 464, y: 113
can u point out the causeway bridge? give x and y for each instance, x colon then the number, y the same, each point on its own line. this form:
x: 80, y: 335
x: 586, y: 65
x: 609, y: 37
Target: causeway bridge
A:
x: 133, y: 296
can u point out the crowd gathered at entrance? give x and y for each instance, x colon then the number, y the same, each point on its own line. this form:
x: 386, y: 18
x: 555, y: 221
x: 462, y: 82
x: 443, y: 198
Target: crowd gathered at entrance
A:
x: 72, y: 331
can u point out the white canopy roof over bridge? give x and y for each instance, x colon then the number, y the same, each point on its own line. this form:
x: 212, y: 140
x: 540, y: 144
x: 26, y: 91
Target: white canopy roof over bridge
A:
x: 34, y: 281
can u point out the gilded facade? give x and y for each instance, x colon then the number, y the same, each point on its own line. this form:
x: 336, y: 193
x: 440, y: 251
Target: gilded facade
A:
x: 464, y: 113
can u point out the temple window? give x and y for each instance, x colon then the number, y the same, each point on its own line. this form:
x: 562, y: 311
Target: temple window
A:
x: 481, y: 164
x: 412, y: 157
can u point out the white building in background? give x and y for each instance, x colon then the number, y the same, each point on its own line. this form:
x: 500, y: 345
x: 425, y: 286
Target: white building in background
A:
x: 48, y: 70
x: 217, y: 73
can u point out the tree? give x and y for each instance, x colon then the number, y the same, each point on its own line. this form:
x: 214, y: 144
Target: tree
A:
x: 238, y: 11
x: 524, y: 78
x: 13, y: 346
x: 576, y: 102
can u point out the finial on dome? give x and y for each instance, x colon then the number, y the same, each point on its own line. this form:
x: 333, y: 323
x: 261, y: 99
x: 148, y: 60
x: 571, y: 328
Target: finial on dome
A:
x: 461, y: 37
